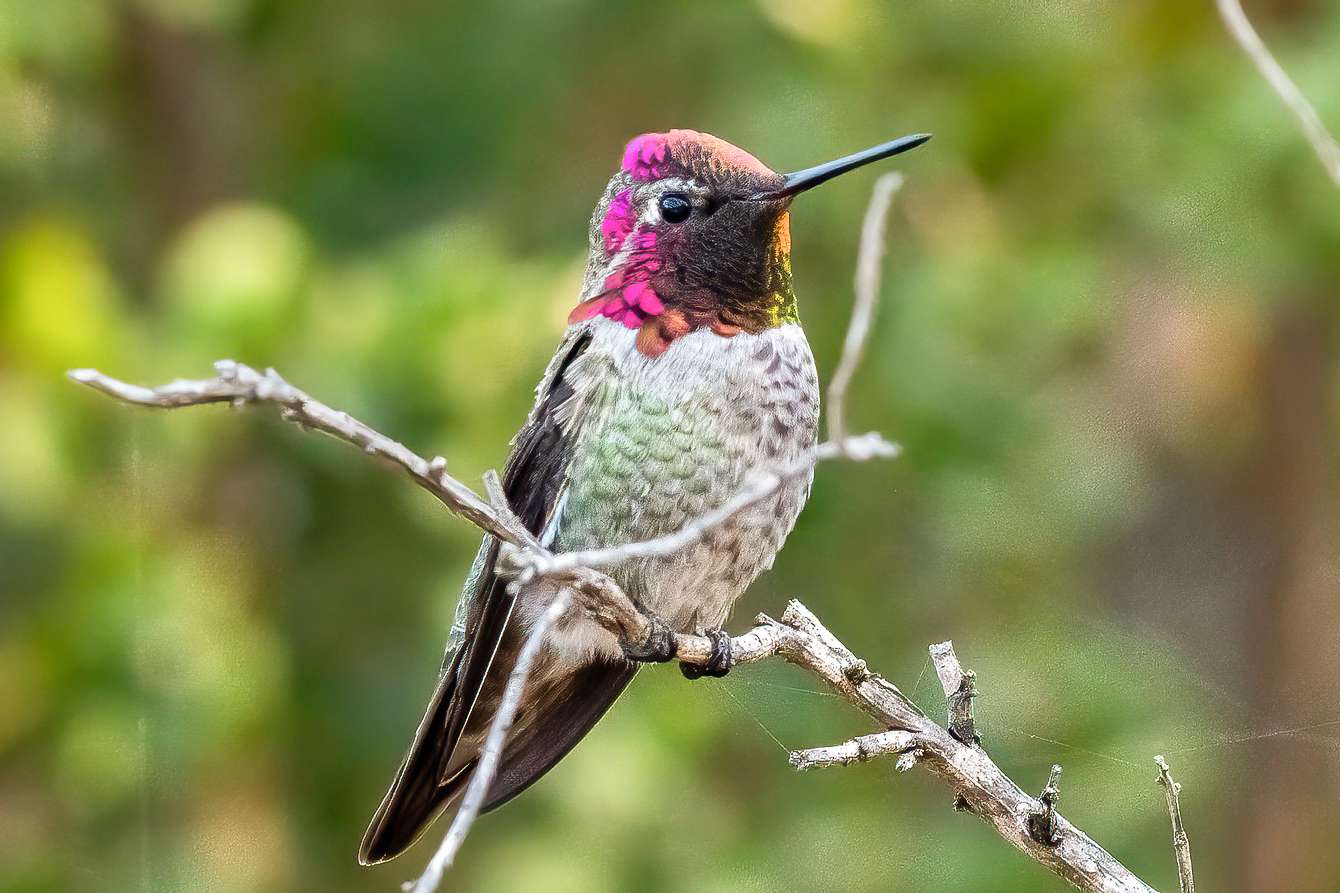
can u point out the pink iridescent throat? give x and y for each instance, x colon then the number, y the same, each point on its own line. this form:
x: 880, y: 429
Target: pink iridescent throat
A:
x: 628, y: 296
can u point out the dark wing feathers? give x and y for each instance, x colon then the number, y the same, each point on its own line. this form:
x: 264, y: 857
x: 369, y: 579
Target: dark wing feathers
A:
x: 571, y: 709
x: 415, y: 797
x: 432, y: 774
x: 532, y: 478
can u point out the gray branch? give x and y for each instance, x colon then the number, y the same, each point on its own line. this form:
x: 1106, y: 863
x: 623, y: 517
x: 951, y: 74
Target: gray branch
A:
x: 1181, y: 844
x: 799, y: 637
x: 1042, y: 824
x: 867, y: 300
x: 858, y: 750
x: 960, y: 687
x: 760, y: 484
x: 239, y: 385
x: 1328, y: 152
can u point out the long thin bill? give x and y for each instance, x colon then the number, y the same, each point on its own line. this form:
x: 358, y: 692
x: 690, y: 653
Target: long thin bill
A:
x: 813, y: 176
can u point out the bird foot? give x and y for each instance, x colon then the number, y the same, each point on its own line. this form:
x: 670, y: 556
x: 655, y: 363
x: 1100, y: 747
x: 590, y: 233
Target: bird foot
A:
x: 660, y: 644
x: 718, y: 664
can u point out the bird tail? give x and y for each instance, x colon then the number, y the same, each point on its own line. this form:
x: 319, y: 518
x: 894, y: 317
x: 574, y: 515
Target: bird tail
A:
x: 561, y: 705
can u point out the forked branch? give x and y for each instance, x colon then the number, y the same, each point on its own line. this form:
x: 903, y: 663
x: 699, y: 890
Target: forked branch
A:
x: 1328, y: 153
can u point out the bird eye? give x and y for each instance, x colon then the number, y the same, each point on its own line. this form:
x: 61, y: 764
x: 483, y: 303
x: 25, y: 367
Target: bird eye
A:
x: 675, y: 208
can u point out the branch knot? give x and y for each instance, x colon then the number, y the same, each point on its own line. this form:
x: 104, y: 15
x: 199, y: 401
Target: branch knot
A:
x: 1042, y: 825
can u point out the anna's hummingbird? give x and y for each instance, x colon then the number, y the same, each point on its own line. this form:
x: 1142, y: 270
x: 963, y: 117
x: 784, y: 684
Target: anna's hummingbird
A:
x: 683, y: 366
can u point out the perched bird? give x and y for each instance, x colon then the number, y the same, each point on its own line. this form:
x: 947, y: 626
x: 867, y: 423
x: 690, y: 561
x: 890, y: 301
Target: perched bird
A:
x: 683, y: 366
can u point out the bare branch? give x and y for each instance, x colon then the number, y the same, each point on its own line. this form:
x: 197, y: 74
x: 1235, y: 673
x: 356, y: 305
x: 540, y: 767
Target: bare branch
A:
x: 857, y: 750
x: 1042, y: 824
x: 960, y: 688
x: 1328, y: 153
x: 493, y: 487
x: 1181, y: 844
x: 867, y: 299
x: 980, y: 786
x: 240, y: 384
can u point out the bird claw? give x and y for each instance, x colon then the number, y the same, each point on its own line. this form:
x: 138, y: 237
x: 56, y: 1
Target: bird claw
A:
x: 718, y: 664
x: 660, y: 644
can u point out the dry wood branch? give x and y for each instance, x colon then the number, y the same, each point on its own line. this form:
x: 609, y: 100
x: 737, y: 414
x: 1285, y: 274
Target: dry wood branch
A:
x: 759, y: 486
x: 867, y: 299
x: 980, y: 786
x: 960, y: 687
x: 1181, y: 844
x: 239, y: 385
x: 1328, y: 153
x: 799, y: 637
x: 857, y: 750
x: 1042, y: 824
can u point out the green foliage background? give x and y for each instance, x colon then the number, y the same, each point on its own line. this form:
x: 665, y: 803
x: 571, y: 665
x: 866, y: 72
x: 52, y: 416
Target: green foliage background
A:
x: 1108, y: 347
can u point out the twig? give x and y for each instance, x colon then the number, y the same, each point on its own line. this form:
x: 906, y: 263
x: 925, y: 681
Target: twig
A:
x: 960, y: 688
x: 493, y: 488
x: 867, y: 299
x: 981, y: 787
x: 1042, y: 822
x: 800, y: 638
x: 240, y: 384
x: 1181, y: 844
x: 1328, y: 153
x: 857, y: 750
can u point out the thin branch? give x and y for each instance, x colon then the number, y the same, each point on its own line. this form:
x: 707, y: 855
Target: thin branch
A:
x: 493, y: 488
x: 960, y: 688
x: 867, y: 299
x: 491, y: 753
x: 857, y: 750
x: 1181, y: 844
x: 1328, y: 152
x: 240, y: 385
x: 1042, y: 823
x: 980, y: 786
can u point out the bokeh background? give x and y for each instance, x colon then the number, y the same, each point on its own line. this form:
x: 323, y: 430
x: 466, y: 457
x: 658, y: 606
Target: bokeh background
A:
x: 1109, y: 348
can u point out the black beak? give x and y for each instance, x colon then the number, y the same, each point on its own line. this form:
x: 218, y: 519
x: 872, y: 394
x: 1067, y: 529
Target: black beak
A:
x: 813, y: 176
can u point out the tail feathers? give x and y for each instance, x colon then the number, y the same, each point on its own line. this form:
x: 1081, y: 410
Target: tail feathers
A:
x: 416, y: 796
x: 558, y: 710
x: 570, y: 708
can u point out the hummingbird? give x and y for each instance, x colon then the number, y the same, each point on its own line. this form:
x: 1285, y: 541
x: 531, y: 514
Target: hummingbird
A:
x: 683, y: 366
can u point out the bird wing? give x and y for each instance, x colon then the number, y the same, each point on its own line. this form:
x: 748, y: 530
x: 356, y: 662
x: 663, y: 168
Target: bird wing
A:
x: 432, y: 771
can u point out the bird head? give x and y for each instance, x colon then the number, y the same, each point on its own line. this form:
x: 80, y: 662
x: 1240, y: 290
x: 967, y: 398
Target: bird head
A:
x: 692, y: 231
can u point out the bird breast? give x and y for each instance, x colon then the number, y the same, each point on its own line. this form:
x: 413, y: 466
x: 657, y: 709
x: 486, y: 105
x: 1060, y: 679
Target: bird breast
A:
x: 660, y: 441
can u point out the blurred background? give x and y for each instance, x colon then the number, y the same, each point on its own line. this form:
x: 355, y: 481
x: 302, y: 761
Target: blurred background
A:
x: 1108, y: 345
